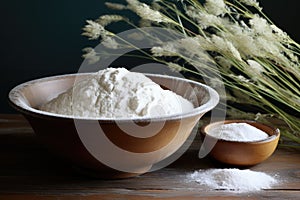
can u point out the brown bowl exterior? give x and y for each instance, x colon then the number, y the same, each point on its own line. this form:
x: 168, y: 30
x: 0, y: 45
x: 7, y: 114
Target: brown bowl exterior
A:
x: 243, y: 153
x: 60, y: 134
x: 61, y: 137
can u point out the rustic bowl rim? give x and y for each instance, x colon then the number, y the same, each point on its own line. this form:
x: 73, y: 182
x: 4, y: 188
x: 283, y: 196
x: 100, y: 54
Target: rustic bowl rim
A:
x: 270, y: 138
x: 14, y: 100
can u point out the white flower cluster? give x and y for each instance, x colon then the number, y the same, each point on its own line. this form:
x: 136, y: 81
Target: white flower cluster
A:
x: 145, y: 12
x: 115, y: 6
x: 203, y: 19
x: 167, y: 50
x: 215, y: 7
x: 93, y: 30
x: 104, y: 20
x: 91, y: 55
x: 192, y: 49
x: 225, y: 47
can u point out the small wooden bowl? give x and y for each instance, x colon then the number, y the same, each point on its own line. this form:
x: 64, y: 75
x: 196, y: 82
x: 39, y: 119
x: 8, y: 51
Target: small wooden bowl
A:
x: 241, y: 153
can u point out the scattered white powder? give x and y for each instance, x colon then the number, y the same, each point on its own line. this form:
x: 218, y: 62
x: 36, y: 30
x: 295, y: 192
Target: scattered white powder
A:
x: 235, y: 180
x: 241, y: 132
x: 117, y: 93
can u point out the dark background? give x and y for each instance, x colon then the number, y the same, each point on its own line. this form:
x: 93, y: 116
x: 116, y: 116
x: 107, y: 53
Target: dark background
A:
x: 42, y: 38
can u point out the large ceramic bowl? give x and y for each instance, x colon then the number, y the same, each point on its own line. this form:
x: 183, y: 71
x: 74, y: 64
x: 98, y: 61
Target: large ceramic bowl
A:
x: 111, y: 148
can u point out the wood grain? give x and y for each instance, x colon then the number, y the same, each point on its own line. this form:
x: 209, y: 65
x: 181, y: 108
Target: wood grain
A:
x: 28, y: 171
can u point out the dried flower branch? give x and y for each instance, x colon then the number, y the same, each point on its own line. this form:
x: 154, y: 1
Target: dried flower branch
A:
x: 258, y: 62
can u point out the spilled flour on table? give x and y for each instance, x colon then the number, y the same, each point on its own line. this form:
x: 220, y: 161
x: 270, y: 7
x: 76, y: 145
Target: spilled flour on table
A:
x: 233, y: 179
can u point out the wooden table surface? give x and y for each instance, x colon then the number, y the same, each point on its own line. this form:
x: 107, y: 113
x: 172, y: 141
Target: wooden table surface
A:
x: 28, y: 171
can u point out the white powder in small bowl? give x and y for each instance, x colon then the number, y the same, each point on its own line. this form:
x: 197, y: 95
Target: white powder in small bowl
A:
x: 233, y: 179
x: 117, y: 93
x: 240, y: 132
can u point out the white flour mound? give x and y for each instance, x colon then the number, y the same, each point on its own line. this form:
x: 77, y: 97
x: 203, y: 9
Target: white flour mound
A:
x: 117, y: 93
x: 232, y: 179
x: 241, y: 132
